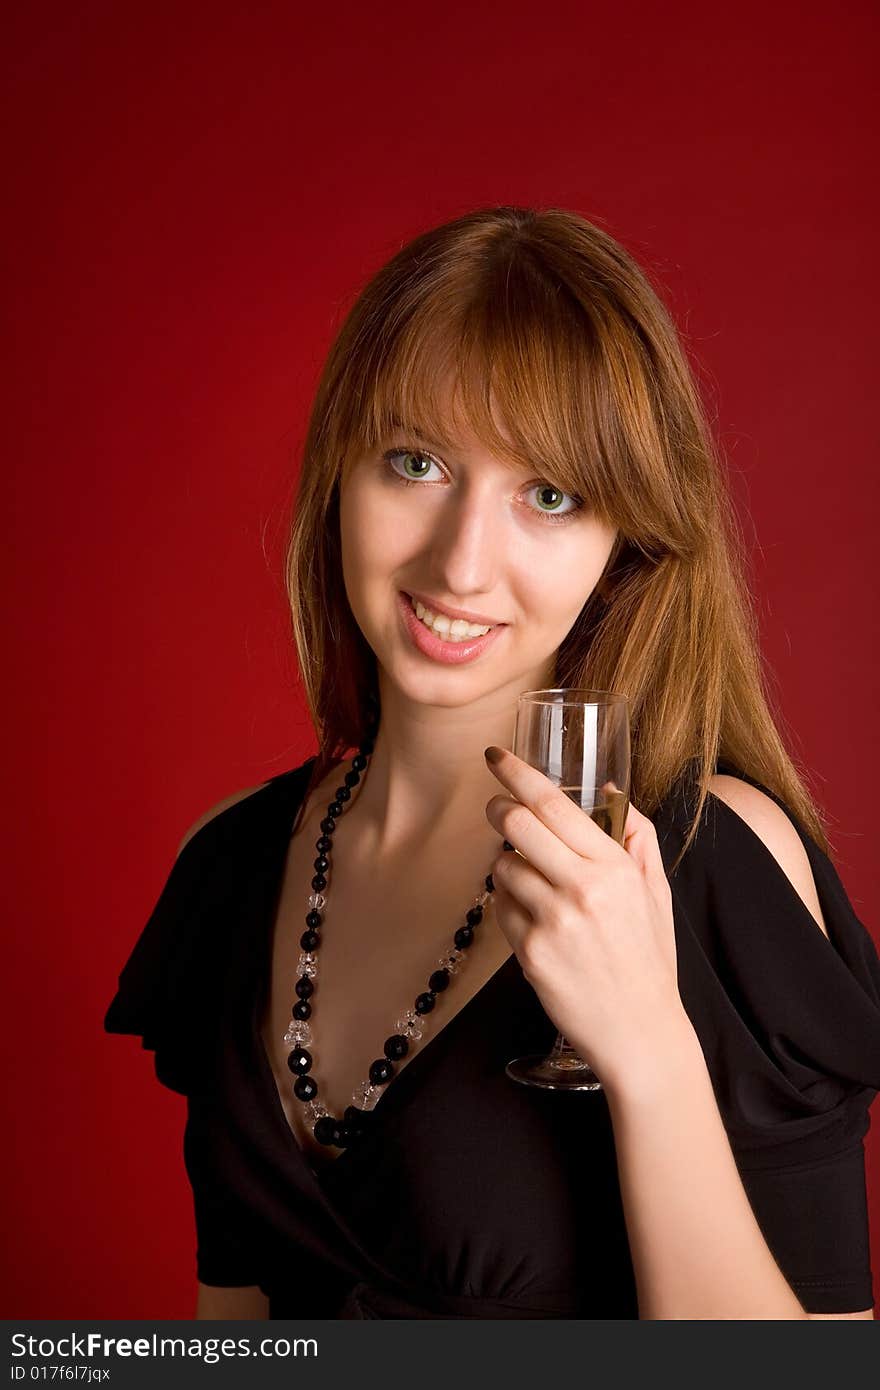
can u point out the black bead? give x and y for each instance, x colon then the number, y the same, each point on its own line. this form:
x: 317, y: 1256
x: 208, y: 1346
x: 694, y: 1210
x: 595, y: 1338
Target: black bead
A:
x: 325, y: 1129
x: 508, y: 845
x: 335, y: 808
x: 381, y: 1071
x: 304, y: 987
x: 425, y: 1003
x: 310, y: 940
x: 328, y: 825
x: 321, y: 864
x: 302, y: 1010
x: 299, y: 1061
x: 305, y: 1088
x: 358, y: 762
x: 343, y: 794
x: 352, y: 778
x: 319, y: 882
x: 439, y: 980
x: 474, y: 916
x: 355, y: 1121
x: 313, y: 919
x: 343, y: 1136
x: 489, y: 883
x: 463, y: 937
x: 324, y: 843
x: 396, y: 1047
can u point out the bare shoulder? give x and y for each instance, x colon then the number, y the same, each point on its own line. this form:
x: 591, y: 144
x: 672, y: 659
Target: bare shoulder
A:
x: 773, y: 827
x: 215, y: 811
x: 245, y: 1302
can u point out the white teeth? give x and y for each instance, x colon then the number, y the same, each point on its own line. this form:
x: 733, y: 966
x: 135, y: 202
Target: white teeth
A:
x: 447, y: 629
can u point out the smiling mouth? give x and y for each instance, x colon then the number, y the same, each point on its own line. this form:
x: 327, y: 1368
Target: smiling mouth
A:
x: 448, y: 629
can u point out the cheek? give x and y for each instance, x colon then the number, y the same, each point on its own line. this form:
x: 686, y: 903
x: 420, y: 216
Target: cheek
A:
x: 361, y: 528
x: 559, y: 588
x: 355, y: 538
x: 374, y: 547
x: 373, y: 530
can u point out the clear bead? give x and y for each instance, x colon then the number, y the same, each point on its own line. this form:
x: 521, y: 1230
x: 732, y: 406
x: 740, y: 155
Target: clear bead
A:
x: 410, y: 1025
x: 315, y: 1109
x: 483, y: 898
x: 307, y: 964
x: 316, y: 902
x: 366, y: 1095
x: 453, y: 961
x: 298, y: 1033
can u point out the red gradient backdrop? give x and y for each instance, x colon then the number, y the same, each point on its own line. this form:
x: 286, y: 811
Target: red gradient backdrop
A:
x: 195, y: 194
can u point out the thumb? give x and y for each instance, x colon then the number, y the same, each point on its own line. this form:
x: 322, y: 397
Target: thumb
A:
x: 640, y: 841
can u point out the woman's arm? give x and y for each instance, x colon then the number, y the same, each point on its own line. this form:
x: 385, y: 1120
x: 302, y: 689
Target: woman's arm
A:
x: 697, y: 1249
x: 696, y: 1245
x: 593, y: 925
x: 214, y: 1302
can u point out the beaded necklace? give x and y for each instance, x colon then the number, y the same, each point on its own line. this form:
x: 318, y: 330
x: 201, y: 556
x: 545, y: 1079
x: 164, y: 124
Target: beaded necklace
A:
x: 329, y: 1129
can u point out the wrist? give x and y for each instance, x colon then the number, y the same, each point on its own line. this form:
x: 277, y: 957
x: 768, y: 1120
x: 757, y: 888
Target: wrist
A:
x: 671, y: 1059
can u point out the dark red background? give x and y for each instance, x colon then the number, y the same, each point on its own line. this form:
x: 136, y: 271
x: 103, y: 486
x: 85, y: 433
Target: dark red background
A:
x: 195, y: 193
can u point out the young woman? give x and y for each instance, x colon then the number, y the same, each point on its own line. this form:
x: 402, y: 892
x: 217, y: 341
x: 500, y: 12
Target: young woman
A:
x: 507, y: 433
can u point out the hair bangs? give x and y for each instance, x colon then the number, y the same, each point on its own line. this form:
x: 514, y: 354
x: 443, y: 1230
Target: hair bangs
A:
x: 507, y: 360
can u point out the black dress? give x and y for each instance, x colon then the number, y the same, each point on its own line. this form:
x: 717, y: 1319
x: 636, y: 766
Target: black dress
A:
x: 473, y: 1196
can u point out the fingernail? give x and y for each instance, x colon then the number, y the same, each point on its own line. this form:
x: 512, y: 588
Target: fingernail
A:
x: 492, y: 754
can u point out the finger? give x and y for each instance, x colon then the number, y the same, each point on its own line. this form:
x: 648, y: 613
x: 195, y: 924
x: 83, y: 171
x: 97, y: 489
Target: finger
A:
x: 531, y: 838
x: 525, y: 895
x: 640, y: 842
x: 570, y: 823
x: 514, y: 921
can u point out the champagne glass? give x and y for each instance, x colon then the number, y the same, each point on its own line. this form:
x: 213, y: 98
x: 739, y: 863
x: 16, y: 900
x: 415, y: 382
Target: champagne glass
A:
x: 580, y: 740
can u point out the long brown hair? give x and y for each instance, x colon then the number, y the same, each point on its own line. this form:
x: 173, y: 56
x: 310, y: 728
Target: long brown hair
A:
x: 544, y: 315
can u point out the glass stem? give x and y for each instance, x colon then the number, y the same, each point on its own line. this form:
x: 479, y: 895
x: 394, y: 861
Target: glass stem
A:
x: 563, y: 1054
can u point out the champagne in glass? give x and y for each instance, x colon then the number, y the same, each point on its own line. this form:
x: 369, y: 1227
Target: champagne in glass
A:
x: 580, y: 740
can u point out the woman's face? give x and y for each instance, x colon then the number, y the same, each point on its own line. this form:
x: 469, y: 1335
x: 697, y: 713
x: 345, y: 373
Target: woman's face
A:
x: 460, y: 527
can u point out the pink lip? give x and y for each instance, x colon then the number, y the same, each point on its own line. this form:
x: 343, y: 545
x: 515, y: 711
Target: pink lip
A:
x: 452, y: 653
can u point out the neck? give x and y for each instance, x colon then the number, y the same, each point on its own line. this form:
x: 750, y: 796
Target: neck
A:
x: 427, y: 782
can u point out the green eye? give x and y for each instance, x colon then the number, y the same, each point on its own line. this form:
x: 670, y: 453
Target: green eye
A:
x: 415, y: 474
x: 548, y: 487
x: 407, y: 454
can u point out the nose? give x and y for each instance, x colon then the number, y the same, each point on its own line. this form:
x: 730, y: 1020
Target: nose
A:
x: 470, y: 545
